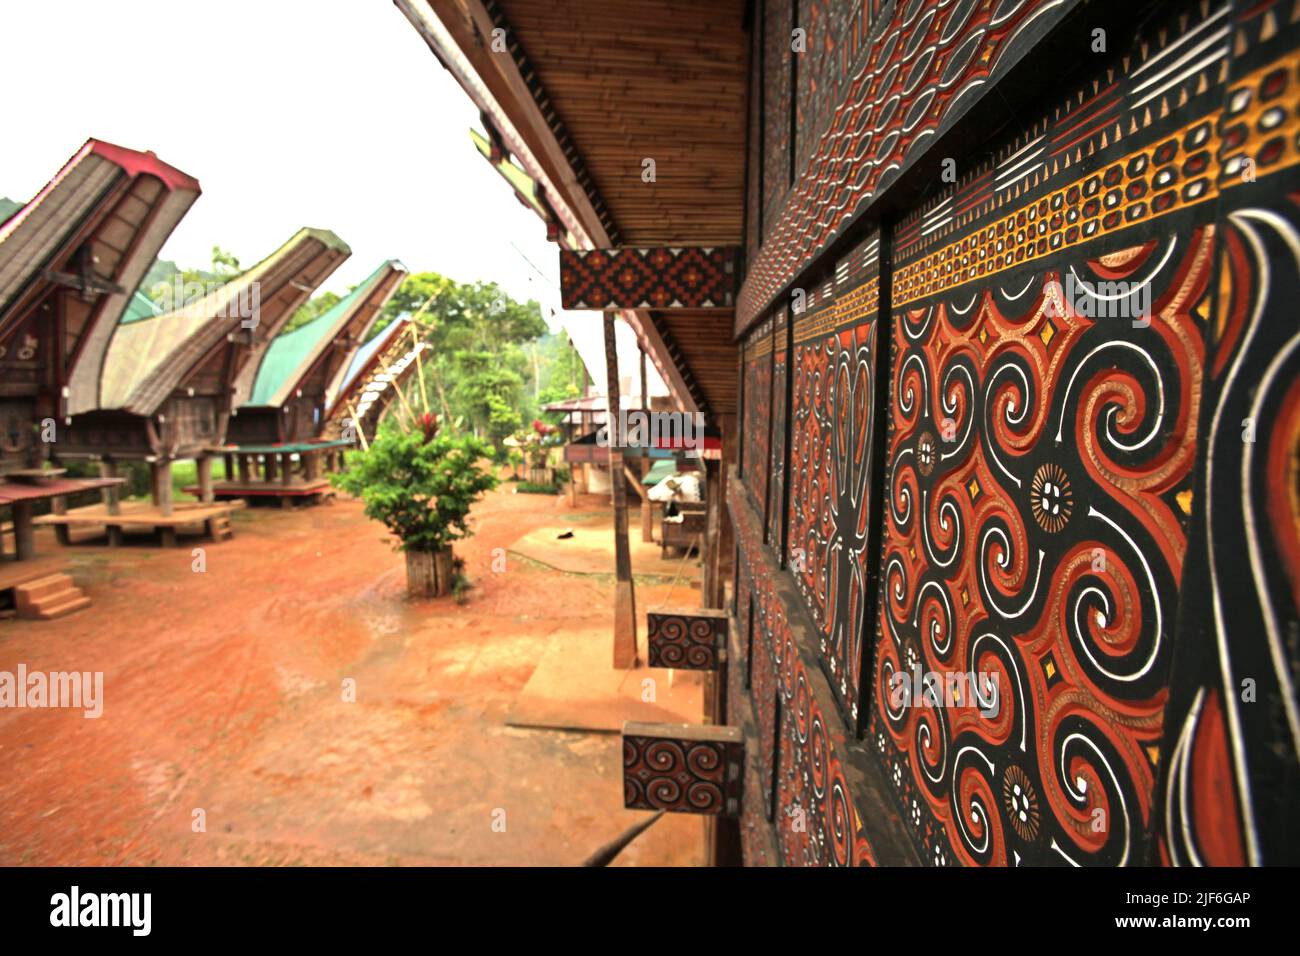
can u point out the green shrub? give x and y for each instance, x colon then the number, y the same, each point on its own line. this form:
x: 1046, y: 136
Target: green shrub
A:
x: 420, y: 484
x: 533, y: 488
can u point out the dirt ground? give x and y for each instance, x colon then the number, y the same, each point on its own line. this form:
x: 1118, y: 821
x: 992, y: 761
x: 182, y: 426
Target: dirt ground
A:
x: 226, y: 738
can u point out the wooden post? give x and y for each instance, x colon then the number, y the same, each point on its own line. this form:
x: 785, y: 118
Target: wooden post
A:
x: 712, y: 533
x: 24, y: 531
x: 206, y: 494
x: 230, y: 466
x: 624, y: 590
x: 112, y: 495
x: 647, y: 533
x: 286, y: 469
x: 269, y: 468
x: 59, y: 506
x: 243, y: 470
x: 162, y: 486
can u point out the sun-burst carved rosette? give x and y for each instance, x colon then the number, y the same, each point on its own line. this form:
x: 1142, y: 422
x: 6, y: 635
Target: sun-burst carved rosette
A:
x: 685, y: 639
x: 683, y: 768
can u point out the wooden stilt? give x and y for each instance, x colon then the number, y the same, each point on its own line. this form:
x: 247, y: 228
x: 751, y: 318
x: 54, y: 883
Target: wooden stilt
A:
x: 24, y: 531
x: 286, y: 469
x: 59, y: 506
x: 204, y: 463
x: 624, y: 589
x: 162, y: 486
x: 243, y: 470
x: 112, y: 496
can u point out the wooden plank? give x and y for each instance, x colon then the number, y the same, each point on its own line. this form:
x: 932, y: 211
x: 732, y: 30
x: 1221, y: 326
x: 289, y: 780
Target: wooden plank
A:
x: 137, y: 514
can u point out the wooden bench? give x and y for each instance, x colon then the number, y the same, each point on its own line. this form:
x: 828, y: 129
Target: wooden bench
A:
x: 138, y: 516
x: 684, y: 533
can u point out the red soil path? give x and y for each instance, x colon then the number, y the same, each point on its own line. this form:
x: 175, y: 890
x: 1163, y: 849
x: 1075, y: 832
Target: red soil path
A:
x: 223, y: 693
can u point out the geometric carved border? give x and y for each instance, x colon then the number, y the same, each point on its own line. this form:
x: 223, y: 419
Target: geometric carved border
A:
x: 653, y: 278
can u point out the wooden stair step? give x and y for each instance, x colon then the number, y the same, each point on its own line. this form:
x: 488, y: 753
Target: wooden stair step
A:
x: 50, y: 584
x: 64, y: 609
x: 50, y: 597
x: 55, y: 598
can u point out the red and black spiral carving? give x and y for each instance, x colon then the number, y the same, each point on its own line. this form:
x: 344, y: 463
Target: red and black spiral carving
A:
x: 757, y: 391
x: 682, y: 776
x: 814, y: 815
x: 684, y: 641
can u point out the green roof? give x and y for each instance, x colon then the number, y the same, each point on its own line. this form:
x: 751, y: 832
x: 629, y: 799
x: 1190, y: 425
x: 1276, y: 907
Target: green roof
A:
x: 141, y: 307
x: 292, y: 353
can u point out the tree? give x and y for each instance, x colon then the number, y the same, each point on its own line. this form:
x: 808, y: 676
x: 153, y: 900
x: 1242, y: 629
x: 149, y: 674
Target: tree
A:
x: 478, y: 367
x: 312, y: 309
x: 421, y: 484
x: 170, y: 288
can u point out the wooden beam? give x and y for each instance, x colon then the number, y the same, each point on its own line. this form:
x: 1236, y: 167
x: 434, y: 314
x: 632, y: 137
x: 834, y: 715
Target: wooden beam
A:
x: 713, y: 533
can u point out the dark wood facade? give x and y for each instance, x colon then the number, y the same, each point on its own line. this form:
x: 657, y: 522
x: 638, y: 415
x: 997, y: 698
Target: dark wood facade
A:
x: 70, y: 261
x: 1013, y: 482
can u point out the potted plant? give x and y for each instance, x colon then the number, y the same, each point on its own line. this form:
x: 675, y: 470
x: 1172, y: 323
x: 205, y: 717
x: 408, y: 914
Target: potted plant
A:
x: 421, y: 485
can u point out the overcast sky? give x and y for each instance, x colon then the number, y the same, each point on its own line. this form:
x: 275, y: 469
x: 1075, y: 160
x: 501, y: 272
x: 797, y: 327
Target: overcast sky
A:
x: 328, y: 113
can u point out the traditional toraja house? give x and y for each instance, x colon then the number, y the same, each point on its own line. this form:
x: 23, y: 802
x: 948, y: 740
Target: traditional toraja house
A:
x: 1015, y: 497
x: 296, y: 377
x: 70, y: 261
x: 171, y: 382
x: 374, y: 383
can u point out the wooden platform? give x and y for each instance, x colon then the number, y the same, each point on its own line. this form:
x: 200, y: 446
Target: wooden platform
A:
x: 14, y: 573
x: 140, y: 516
x: 294, y: 492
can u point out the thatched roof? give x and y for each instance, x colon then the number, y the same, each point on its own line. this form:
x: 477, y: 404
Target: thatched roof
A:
x: 150, y: 359
x: 96, y: 227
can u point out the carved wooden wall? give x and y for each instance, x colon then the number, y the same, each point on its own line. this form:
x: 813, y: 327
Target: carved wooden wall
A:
x: 1044, y: 430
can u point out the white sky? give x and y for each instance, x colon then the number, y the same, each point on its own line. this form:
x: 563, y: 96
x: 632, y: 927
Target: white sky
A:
x: 332, y: 113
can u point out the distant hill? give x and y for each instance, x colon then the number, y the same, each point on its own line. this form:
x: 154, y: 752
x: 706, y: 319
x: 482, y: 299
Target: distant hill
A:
x: 8, y: 207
